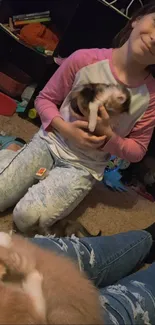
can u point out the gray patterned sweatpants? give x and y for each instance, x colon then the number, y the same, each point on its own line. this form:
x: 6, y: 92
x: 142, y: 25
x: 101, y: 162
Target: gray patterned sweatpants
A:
x: 50, y: 199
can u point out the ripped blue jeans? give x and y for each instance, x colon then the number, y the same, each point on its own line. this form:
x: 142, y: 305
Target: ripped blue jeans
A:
x: 108, y: 261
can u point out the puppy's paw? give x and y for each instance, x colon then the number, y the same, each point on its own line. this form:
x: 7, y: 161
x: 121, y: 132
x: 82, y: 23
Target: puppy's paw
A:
x: 35, y: 277
x: 32, y: 281
x: 5, y: 240
x: 32, y: 286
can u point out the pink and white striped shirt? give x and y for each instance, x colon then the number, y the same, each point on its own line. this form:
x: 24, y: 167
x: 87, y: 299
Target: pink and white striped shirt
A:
x: 132, y: 134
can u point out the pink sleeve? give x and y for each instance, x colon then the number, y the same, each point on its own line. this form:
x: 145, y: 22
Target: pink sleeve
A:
x: 135, y: 146
x: 61, y: 83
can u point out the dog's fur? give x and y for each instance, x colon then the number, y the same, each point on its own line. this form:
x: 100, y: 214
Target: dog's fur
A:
x: 86, y: 100
x: 70, y: 298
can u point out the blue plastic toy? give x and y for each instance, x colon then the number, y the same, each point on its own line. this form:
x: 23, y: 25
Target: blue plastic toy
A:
x: 112, y: 176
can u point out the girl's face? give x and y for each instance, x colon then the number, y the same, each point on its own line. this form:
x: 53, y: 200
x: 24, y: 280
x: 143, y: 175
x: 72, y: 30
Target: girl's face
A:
x: 142, y: 40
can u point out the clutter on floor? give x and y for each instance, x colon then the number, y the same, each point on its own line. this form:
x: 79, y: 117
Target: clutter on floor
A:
x: 141, y: 177
x: 13, y: 80
x: 120, y: 175
x: 6, y: 141
x: 25, y: 97
x: 36, y: 31
x: 112, y: 175
x: 7, y: 105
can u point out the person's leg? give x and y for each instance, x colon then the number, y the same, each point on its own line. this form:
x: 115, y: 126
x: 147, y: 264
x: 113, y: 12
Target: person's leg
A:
x: 17, y: 170
x: 105, y: 259
x: 131, y: 300
x: 53, y: 198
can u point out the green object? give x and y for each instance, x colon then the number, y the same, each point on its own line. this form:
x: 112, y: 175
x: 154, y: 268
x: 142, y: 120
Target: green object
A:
x: 36, y: 20
x: 110, y: 164
x: 40, y: 49
x: 32, y: 114
x: 20, y: 109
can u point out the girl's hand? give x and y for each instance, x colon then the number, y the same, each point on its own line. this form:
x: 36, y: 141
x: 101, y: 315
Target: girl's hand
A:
x: 78, y: 133
x: 103, y: 124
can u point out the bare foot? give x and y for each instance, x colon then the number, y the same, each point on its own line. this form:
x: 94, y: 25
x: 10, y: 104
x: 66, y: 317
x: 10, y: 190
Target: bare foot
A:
x: 13, y: 147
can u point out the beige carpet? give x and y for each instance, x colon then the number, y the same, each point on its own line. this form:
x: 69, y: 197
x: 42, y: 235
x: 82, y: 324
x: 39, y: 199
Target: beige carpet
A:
x: 102, y: 209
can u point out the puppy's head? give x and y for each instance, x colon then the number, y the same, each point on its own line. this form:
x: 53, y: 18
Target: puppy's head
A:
x: 118, y: 99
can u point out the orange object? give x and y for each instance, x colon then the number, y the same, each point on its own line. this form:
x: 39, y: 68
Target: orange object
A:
x: 41, y: 172
x: 37, y: 34
x: 7, y: 105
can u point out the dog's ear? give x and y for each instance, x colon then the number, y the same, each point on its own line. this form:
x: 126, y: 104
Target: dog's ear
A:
x: 78, y: 88
x: 89, y: 92
x: 75, y: 92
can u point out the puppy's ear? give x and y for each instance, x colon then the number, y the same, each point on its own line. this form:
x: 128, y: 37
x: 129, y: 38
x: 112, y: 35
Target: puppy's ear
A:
x: 78, y: 88
x: 89, y: 92
x: 121, y: 99
x: 76, y: 91
x: 89, y: 86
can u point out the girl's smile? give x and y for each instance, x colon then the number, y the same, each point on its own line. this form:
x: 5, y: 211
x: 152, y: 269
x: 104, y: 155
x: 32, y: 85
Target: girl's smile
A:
x: 146, y: 46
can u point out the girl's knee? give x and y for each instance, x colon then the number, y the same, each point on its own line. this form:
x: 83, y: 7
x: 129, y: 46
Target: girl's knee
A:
x: 25, y: 216
x: 5, y: 201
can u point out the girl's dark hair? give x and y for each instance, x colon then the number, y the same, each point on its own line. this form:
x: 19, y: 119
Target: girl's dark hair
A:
x: 124, y: 34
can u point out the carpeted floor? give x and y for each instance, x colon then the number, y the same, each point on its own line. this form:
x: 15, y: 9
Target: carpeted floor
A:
x: 102, y: 209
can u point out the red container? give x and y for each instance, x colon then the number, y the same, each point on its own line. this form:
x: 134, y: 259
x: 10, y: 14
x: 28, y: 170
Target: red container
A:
x: 7, y: 105
x: 13, y: 81
x: 11, y: 86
